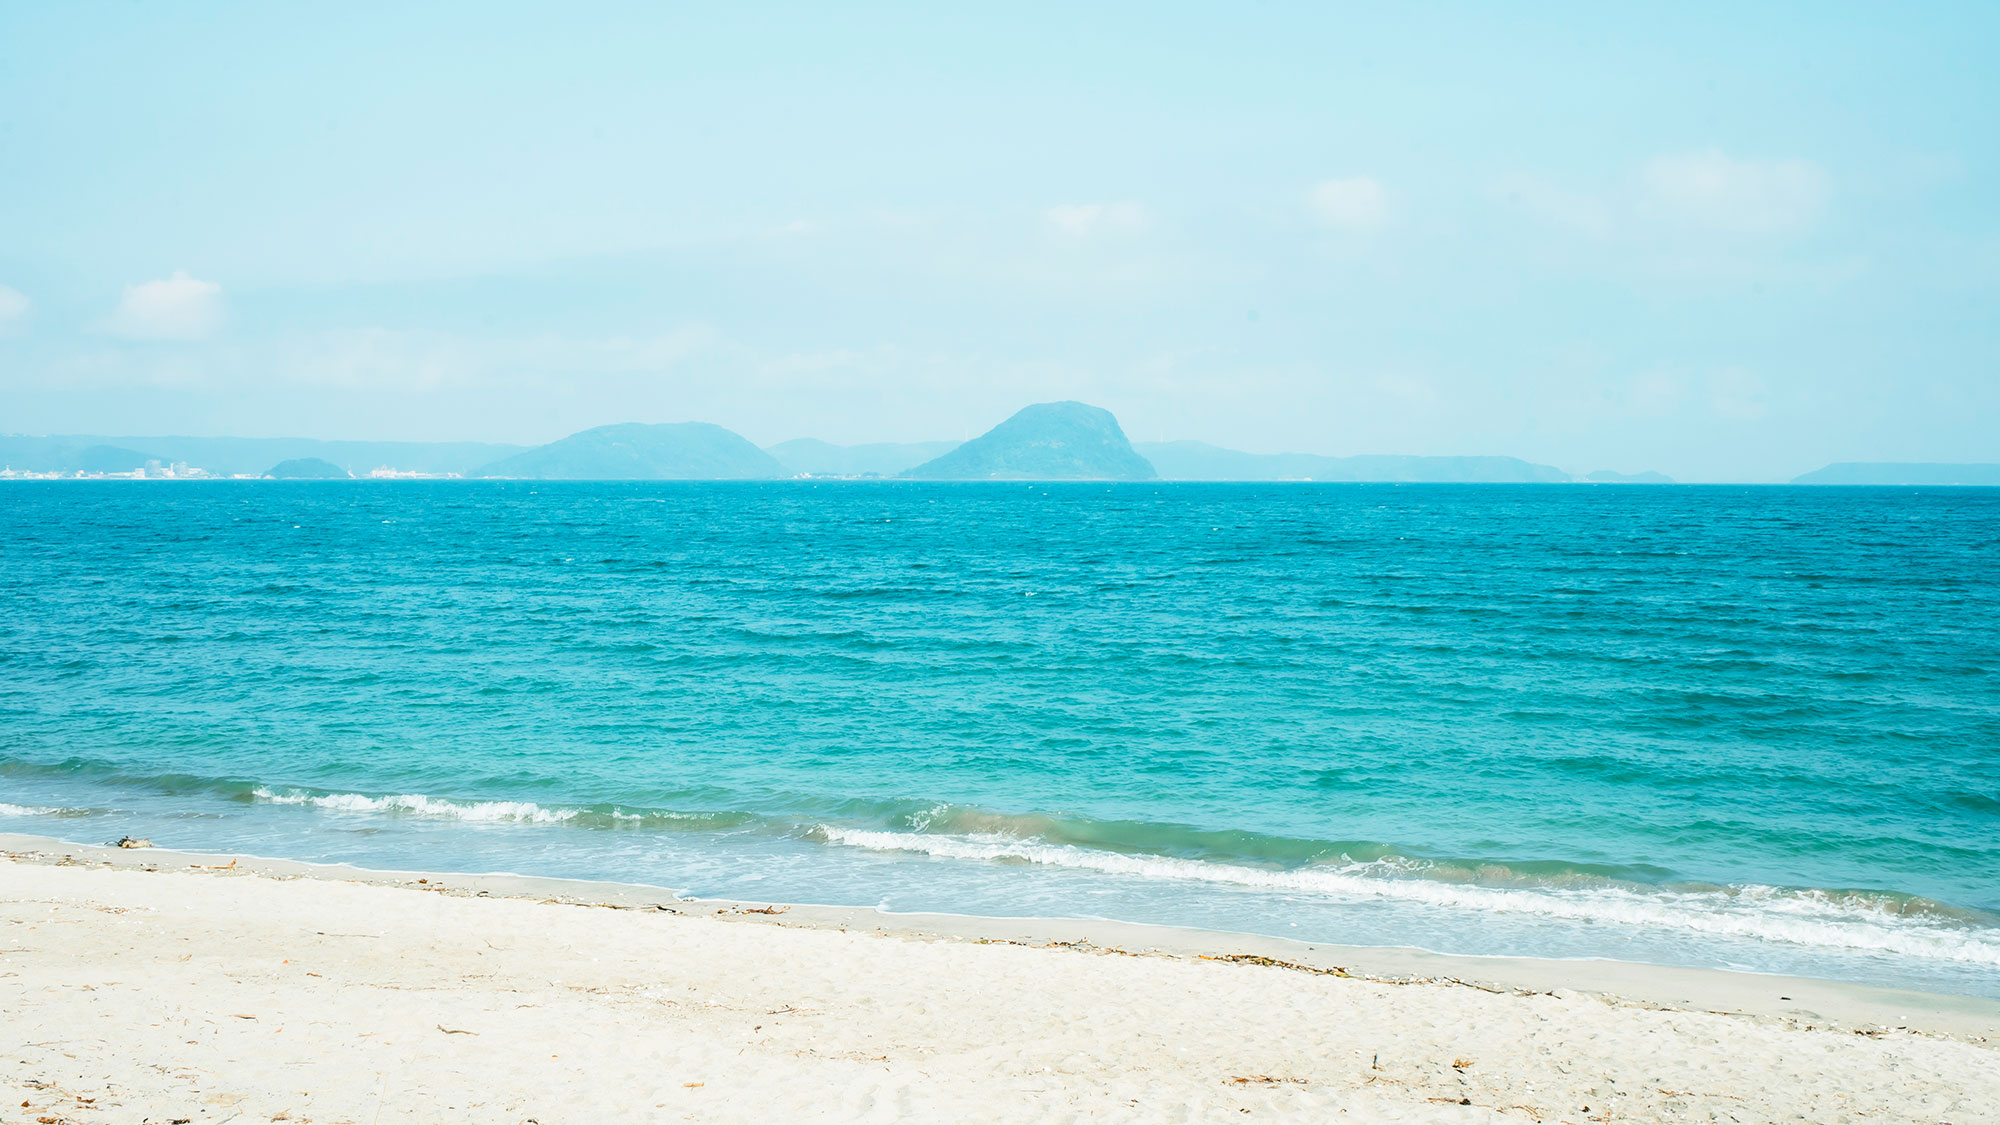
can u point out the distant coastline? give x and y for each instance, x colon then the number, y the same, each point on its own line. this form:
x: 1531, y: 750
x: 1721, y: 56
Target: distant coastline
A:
x: 1048, y: 442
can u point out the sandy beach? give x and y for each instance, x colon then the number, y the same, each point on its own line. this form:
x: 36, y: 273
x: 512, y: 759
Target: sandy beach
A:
x: 148, y: 986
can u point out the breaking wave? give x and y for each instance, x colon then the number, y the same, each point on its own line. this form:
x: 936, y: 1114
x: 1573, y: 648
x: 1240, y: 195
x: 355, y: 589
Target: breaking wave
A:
x: 519, y: 812
x: 1853, y: 920
x: 8, y: 809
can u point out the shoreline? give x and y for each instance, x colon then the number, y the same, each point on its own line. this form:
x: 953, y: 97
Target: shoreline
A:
x: 146, y: 986
x: 1806, y: 1000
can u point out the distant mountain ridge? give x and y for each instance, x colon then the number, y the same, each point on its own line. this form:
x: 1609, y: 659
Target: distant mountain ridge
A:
x: 228, y: 456
x: 1046, y: 441
x: 1606, y: 476
x: 883, y: 459
x: 1194, y: 460
x: 638, y: 451
x: 1903, y: 473
x: 107, y: 459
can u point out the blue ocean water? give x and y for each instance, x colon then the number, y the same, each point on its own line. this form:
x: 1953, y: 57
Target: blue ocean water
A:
x: 1755, y: 727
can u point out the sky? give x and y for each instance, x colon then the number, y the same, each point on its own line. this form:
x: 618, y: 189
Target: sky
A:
x: 1722, y: 241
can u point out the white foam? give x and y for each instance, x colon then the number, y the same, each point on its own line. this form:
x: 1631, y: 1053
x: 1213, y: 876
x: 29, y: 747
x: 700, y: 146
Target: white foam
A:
x: 1761, y: 913
x: 26, y: 810
x: 416, y: 804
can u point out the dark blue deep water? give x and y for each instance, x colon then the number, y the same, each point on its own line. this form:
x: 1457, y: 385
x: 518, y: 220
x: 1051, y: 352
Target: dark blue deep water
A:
x: 1756, y: 727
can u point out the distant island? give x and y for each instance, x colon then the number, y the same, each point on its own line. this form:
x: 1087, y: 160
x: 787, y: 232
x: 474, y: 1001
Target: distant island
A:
x: 307, y: 468
x: 244, y: 457
x: 1047, y: 441
x: 1194, y: 460
x: 636, y: 451
x: 1903, y: 473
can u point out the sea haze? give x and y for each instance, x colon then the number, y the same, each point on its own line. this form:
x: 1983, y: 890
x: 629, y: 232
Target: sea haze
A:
x: 1750, y: 727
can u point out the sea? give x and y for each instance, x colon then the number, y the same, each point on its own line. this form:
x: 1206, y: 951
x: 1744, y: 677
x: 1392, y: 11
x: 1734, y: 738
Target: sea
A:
x: 1754, y: 728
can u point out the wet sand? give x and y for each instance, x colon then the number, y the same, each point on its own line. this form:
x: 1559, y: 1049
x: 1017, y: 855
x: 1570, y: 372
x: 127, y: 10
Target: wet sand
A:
x: 145, y: 985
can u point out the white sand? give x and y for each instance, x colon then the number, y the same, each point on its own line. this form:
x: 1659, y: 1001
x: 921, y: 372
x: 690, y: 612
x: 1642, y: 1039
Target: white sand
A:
x: 129, y: 995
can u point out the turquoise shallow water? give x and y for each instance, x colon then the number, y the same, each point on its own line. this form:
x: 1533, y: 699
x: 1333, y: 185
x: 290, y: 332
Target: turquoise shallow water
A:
x: 1754, y: 727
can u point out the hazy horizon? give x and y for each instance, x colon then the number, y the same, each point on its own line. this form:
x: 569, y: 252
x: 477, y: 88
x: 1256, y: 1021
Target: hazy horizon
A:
x: 1718, y: 244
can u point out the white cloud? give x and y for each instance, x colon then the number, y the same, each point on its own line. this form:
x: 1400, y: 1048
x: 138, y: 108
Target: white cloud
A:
x: 178, y: 308
x: 1714, y: 189
x: 1081, y: 220
x: 1357, y: 202
x: 13, y: 310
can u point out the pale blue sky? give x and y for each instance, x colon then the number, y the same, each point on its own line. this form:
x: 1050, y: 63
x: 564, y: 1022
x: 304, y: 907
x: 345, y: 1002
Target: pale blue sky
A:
x: 1718, y: 242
